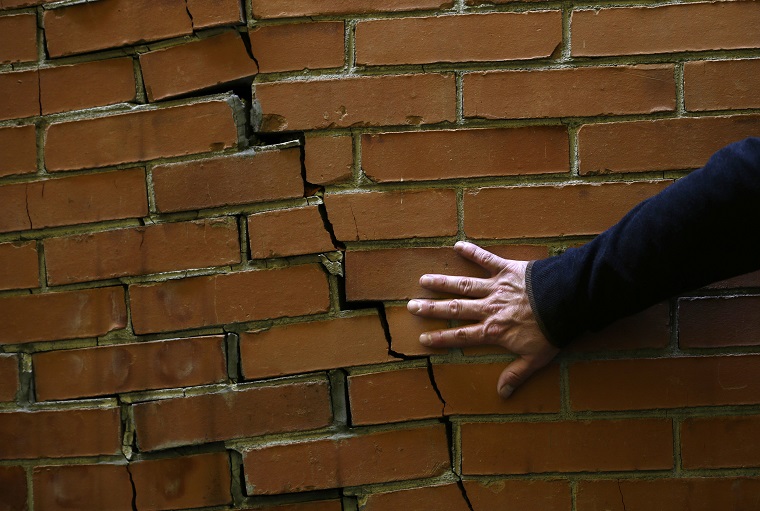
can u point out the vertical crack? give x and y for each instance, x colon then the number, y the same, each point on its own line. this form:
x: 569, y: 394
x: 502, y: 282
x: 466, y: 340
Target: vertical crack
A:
x: 620, y: 490
x: 462, y: 489
x: 190, y: 15
x: 26, y: 205
x: 388, y: 339
x: 134, y: 488
x: 433, y: 383
x: 246, y: 37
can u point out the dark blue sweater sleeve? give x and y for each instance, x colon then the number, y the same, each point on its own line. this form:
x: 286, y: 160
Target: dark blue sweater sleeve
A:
x: 703, y: 228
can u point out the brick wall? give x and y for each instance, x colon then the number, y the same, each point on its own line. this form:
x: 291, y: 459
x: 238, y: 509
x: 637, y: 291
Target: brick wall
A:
x: 211, y: 216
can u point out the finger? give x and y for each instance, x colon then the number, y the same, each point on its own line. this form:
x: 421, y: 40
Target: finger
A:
x: 448, y: 309
x: 469, y: 335
x: 467, y: 286
x: 514, y: 375
x: 491, y: 262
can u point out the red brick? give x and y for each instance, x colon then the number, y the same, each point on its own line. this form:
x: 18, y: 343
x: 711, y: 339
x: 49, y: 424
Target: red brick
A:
x: 123, y: 368
x: 64, y: 315
x: 492, y: 2
x: 212, y: 13
x: 73, y: 200
x: 586, y: 91
x: 720, y: 442
x: 179, y: 483
x: 21, y: 94
x: 470, y: 389
x: 322, y: 505
x: 665, y: 144
x: 196, y: 65
x: 313, y: 346
x: 694, y: 494
x: 232, y: 414
x: 292, y: 8
x: 363, y: 101
x: 392, y: 215
x: 299, y: 46
x: 329, y: 159
x: 9, y: 383
x: 665, y: 29
x: 231, y: 298
x: 18, y: 144
x: 333, y: 463
x: 84, y: 487
x: 647, y: 329
x: 435, y: 155
x: 288, y: 232
x: 18, y: 38
x: 228, y: 180
x: 579, y: 446
x: 142, y: 250
x: 13, y: 488
x: 432, y: 498
x: 721, y: 84
x: 19, y: 267
x: 519, y: 495
x: 60, y: 433
x: 393, y: 396
x: 405, y: 329
x: 82, y: 28
x: 87, y: 85
x: 535, y: 211
x: 14, y: 4
x: 141, y: 135
x: 480, y: 38
x: 713, y: 322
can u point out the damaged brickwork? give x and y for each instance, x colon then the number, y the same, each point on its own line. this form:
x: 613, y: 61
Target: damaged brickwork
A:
x: 212, y: 213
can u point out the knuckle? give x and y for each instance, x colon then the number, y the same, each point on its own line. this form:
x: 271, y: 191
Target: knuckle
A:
x: 465, y: 285
x: 461, y: 334
x: 492, y: 330
x: 455, y: 307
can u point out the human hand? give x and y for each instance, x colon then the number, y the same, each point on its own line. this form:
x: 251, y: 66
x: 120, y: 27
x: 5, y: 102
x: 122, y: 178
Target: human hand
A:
x: 501, y: 306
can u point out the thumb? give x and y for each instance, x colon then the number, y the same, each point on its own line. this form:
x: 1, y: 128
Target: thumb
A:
x: 513, y: 376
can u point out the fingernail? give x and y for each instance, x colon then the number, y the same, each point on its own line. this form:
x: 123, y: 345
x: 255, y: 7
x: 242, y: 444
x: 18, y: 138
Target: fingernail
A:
x: 413, y: 306
x: 425, y: 280
x: 426, y: 340
x: 506, y: 391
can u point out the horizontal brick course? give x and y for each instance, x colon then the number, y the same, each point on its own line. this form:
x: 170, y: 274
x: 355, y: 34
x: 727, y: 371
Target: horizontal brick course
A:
x: 19, y: 267
x: 432, y: 498
x: 721, y: 84
x: 214, y: 13
x: 720, y: 442
x: 292, y: 8
x: 294, y: 47
x: 82, y: 487
x: 519, y: 495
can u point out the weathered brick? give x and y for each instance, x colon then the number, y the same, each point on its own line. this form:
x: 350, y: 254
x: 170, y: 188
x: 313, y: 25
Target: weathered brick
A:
x: 292, y: 8
x: 87, y: 85
x: 179, y: 483
x: 73, y: 200
x: 232, y: 414
x: 664, y: 29
x: 393, y: 396
x: 313, y: 346
x: 405, y: 329
x: 9, y: 383
x: 141, y: 135
x: 105, y: 370
x: 288, y: 232
x: 18, y: 38
x: 720, y: 442
x: 212, y: 13
x: 82, y: 487
x: 519, y: 495
x: 435, y: 155
x: 535, y: 211
x: 236, y: 297
x: 430, y: 498
x: 64, y: 315
x: 299, y: 46
x: 20, y: 91
x: 19, y: 267
x: 18, y: 145
x: 363, y: 101
x: 142, y: 250
x: 392, y: 215
x: 586, y: 91
x: 92, y: 26
x: 665, y: 144
x: 588, y: 446
x: 720, y: 321
x: 196, y: 65
x: 328, y: 160
x: 237, y: 179
x: 13, y: 488
x: 647, y: 329
x: 333, y: 463
x: 721, y: 84
x: 60, y: 433
x: 479, y: 38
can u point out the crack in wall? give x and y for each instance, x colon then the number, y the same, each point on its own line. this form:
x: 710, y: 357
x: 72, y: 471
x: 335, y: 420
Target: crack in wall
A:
x: 622, y: 499
x: 190, y: 15
x: 134, y: 488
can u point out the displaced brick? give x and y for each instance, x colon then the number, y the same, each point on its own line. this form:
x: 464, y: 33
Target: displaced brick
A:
x: 405, y: 329
x: 232, y: 414
x: 329, y: 160
x: 479, y: 38
x: 721, y: 84
x: 588, y: 446
x: 228, y: 180
x: 141, y: 135
x: 196, y: 65
x: 9, y: 382
x: 431, y: 498
x: 13, y: 488
x: 363, y: 101
x: 313, y: 346
x: 535, y: 211
x: 392, y: 215
x: 299, y: 46
x: 18, y: 145
x: 519, y: 495
x: 64, y: 315
x: 19, y: 267
x: 720, y: 442
x: 236, y: 297
x: 18, y: 38
x: 719, y: 321
x: 21, y: 94
x: 288, y: 232
x: 73, y: 200
x: 435, y: 155
x: 92, y: 26
x: 142, y: 250
x: 647, y: 329
x: 82, y: 487
x: 586, y: 91
x: 60, y: 433
x: 212, y: 13
x: 105, y: 370
x: 333, y: 463
x: 665, y: 29
x: 180, y: 483
x: 292, y: 8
